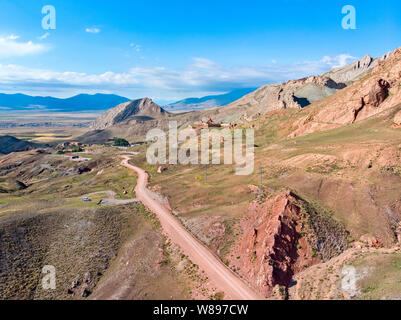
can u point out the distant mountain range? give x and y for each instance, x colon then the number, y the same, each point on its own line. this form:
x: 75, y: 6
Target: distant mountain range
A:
x: 81, y: 102
x: 208, y: 101
x: 102, y: 102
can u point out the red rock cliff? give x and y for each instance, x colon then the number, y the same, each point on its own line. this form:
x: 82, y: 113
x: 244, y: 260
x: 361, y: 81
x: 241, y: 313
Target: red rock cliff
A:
x: 273, y: 248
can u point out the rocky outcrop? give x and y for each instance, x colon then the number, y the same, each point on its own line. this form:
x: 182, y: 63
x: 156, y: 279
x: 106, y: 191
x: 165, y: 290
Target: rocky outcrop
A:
x: 295, y: 93
x: 377, y: 94
x: 371, y: 95
x: 272, y: 248
x: 354, y: 70
x: 292, y: 94
x: 132, y: 120
x: 283, y: 237
x: 142, y: 110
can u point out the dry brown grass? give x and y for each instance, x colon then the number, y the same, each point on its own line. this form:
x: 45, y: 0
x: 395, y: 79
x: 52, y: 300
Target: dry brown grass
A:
x: 49, y: 224
x: 340, y: 169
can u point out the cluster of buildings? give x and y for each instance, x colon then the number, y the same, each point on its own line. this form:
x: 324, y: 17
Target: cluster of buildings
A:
x: 210, y: 124
x: 69, y: 145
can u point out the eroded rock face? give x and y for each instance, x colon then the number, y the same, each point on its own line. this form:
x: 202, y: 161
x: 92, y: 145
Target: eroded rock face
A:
x: 282, y: 237
x: 273, y: 248
x: 371, y: 95
x: 297, y: 93
x: 291, y: 94
x: 378, y: 93
x: 353, y: 71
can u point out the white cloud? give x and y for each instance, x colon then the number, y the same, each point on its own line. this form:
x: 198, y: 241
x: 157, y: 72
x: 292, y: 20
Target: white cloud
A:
x: 203, y: 63
x: 92, y: 30
x: 201, y: 76
x: 136, y: 47
x: 12, y: 37
x: 44, y: 36
x: 338, y: 61
x: 10, y: 47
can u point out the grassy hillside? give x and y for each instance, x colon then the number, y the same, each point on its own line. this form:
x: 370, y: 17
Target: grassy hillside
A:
x: 9, y: 144
x: 47, y: 223
x: 352, y: 173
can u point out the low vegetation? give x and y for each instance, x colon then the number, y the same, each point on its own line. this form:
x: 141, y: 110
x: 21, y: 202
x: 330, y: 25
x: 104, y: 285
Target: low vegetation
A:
x: 119, y: 142
x: 45, y: 222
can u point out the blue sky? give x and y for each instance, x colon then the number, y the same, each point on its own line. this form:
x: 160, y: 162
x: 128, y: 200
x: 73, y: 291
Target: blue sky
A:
x: 169, y: 50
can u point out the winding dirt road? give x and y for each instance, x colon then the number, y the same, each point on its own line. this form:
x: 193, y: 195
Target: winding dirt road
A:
x: 221, y: 276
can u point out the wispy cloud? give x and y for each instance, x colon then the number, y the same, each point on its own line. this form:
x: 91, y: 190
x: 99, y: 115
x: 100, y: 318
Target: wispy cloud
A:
x: 44, y: 36
x: 10, y: 47
x: 12, y: 37
x: 136, y: 47
x: 92, y: 30
x: 338, y: 61
x: 201, y: 76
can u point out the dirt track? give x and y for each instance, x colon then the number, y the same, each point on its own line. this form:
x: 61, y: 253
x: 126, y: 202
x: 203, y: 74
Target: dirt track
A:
x: 111, y: 198
x: 221, y: 276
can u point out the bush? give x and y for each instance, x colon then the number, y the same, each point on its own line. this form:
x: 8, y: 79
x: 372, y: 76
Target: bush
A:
x: 119, y: 142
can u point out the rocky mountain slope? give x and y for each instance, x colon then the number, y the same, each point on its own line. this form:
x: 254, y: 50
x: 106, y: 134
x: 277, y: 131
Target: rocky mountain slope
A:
x: 142, y: 109
x: 133, y: 119
x: 353, y: 71
x: 292, y: 94
x: 296, y: 93
x: 374, y: 93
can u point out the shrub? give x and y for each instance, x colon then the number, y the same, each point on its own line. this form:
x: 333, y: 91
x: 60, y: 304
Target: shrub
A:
x: 119, y: 142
